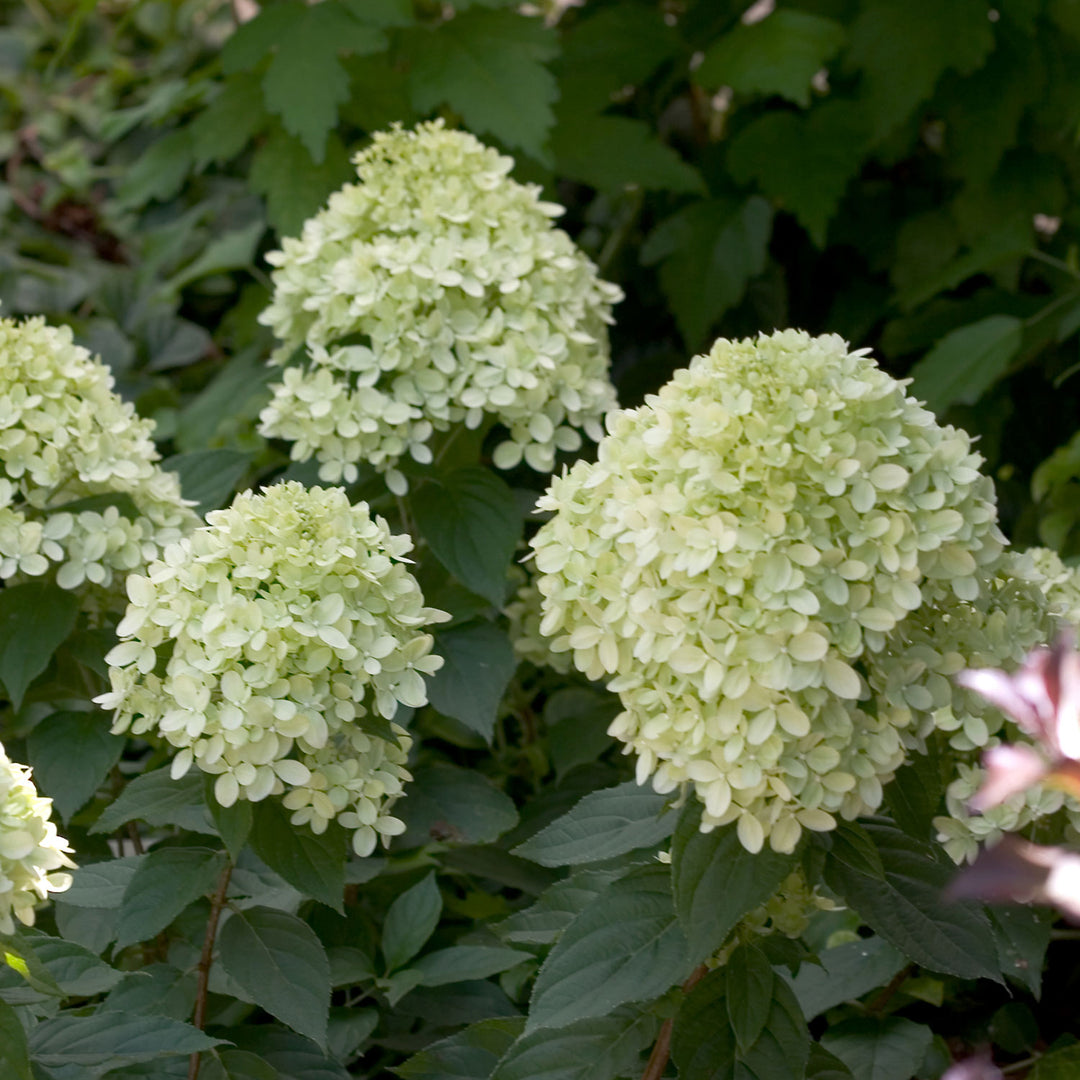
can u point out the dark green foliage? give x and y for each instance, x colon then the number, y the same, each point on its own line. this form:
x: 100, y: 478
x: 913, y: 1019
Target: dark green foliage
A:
x: 903, y: 173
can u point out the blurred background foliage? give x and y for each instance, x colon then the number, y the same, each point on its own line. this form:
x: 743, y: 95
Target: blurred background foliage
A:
x: 901, y: 172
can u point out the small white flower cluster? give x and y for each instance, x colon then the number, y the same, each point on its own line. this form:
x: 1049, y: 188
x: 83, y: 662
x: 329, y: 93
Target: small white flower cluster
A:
x: 912, y: 677
x: 434, y: 292
x: 524, y: 615
x: 1027, y: 596
x: 31, y: 851
x: 68, y: 443
x: 272, y: 649
x: 745, y: 539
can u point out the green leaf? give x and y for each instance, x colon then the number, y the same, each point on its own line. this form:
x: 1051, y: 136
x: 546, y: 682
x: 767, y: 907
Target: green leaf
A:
x: 748, y: 1010
x: 967, y: 362
x: 233, y: 250
x: 607, y: 49
x: 163, y: 884
x: 74, y: 970
x: 705, y: 1047
x: 914, y: 795
x: 602, y: 825
x: 556, y: 908
x: 24, y: 966
x: 71, y: 753
x: 14, y: 1050
x: 208, y: 477
x: 295, y: 186
x: 803, y: 160
x: 779, y: 54
x: 460, y: 963
x: 157, y: 988
x: 907, y: 908
x: 489, y: 67
x: 411, y: 920
x: 470, y: 1054
x: 315, y: 865
x: 956, y: 36
x: 237, y: 1065
x: 599, y: 1048
x: 450, y: 803
x: 717, y: 881
x: 1023, y: 936
x: 845, y: 973
x: 114, y: 1039
x: 851, y: 847
x: 472, y: 523
x: 577, y: 719
x: 879, y: 1048
x: 100, y: 884
x: 34, y: 619
x: 234, y: 395
x: 229, y: 122
x: 280, y: 962
x: 708, y: 252
x: 159, y: 172
x: 825, y: 1066
x: 292, y: 1055
x: 612, y: 152
x: 158, y: 799
x: 305, y: 82
x: 625, y: 947
x: 1060, y: 1064
x: 480, y: 663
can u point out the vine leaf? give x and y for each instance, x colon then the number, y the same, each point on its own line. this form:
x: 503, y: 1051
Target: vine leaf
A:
x: 488, y: 66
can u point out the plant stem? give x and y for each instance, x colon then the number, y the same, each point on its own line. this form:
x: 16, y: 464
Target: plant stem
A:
x: 878, y: 1004
x: 206, y: 960
x: 658, y: 1059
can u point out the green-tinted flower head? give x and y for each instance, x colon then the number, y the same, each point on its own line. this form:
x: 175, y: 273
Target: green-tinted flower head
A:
x: 744, y: 539
x: 436, y: 291
x: 80, y: 488
x: 31, y: 852
x: 272, y: 649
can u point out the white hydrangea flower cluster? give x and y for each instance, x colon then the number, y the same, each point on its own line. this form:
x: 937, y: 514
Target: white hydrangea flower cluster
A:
x: 745, y: 538
x: 31, y: 851
x: 434, y: 292
x: 272, y: 649
x: 68, y: 442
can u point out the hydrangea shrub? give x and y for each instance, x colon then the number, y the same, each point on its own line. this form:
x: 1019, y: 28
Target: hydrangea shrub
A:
x: 33, y: 856
x: 81, y: 492
x: 273, y: 648
x: 744, y: 539
x: 435, y: 291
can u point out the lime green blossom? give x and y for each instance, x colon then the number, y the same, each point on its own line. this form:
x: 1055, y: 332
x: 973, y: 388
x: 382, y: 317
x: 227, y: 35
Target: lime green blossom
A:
x: 69, y: 445
x: 272, y: 650
x: 745, y: 538
x: 435, y: 292
x: 31, y: 851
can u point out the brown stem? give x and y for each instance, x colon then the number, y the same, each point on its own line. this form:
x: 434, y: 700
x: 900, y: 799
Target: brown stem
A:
x: 134, y: 837
x: 206, y: 959
x: 878, y: 1004
x: 658, y: 1059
